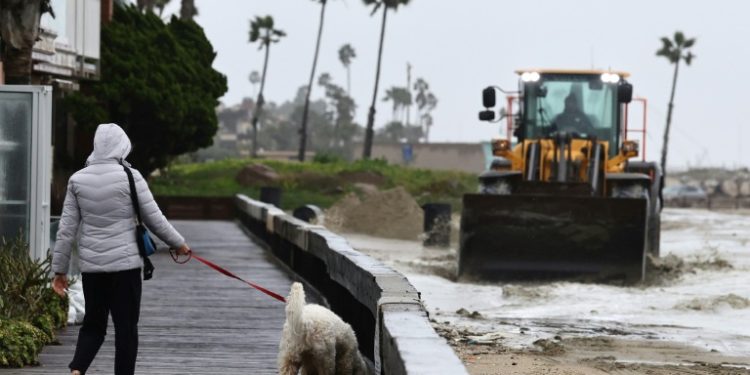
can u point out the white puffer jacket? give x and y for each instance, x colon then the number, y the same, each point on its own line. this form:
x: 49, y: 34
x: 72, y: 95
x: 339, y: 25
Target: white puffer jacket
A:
x: 98, y: 201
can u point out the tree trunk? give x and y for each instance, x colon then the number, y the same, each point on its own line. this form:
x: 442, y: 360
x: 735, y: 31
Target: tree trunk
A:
x: 147, y: 5
x: 408, y: 90
x: 188, y: 10
x: 19, y: 30
x: 303, y: 129
x: 367, y: 149
x: 17, y: 65
x: 669, y: 122
x: 259, y: 103
x: 348, y: 81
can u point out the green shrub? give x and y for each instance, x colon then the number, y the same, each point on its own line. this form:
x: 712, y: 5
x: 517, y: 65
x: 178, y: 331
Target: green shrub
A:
x: 30, y: 311
x: 327, y: 157
x: 20, y: 343
x: 310, y: 183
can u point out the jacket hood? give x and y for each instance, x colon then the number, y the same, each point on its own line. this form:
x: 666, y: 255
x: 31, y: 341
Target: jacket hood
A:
x: 110, y: 143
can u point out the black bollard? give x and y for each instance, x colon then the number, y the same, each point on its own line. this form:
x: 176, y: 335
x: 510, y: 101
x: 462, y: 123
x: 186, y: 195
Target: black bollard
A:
x: 437, y: 224
x: 271, y: 195
x: 308, y: 213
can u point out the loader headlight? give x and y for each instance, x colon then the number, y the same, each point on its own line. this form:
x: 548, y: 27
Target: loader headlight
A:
x: 610, y: 78
x: 530, y: 76
x: 500, y: 146
x: 630, y: 147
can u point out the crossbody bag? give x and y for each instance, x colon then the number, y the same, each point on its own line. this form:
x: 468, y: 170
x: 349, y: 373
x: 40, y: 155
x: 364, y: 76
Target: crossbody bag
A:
x: 146, y: 245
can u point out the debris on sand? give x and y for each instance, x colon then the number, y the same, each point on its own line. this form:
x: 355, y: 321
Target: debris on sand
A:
x: 465, y: 313
x: 524, y: 291
x: 390, y: 213
x: 711, y: 304
x: 444, y: 266
x: 490, y: 338
x: 670, y: 267
x: 457, y: 336
x: 550, y: 347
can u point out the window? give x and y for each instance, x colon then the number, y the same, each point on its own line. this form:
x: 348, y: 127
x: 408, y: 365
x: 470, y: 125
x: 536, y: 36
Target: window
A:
x: 596, y: 102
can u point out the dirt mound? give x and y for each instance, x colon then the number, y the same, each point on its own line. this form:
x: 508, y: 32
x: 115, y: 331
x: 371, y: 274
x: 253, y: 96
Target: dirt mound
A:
x: 390, y: 213
x: 711, y: 304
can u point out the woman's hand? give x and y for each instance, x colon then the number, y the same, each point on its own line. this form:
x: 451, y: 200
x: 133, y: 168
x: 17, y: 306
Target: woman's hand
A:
x: 59, y: 284
x: 183, y: 250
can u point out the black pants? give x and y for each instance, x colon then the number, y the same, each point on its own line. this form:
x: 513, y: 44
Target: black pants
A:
x: 120, y: 294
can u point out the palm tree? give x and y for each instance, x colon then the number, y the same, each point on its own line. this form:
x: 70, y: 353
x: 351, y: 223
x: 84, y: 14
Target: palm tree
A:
x: 426, y: 102
x: 401, y: 98
x: 673, y: 50
x: 254, y: 80
x: 188, y: 10
x: 19, y: 30
x: 303, y: 129
x: 160, y: 5
x: 346, y: 54
x: 385, y: 4
x: 430, y: 104
x: 342, y: 109
x: 421, y: 86
x: 392, y: 95
x: 262, y: 31
x: 146, y: 5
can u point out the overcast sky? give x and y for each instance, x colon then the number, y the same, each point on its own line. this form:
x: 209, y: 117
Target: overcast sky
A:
x: 461, y: 46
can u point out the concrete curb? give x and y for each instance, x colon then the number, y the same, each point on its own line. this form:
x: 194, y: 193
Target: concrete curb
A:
x: 381, y: 305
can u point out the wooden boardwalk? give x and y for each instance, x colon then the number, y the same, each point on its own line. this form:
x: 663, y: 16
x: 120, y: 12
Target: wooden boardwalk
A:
x: 193, y: 319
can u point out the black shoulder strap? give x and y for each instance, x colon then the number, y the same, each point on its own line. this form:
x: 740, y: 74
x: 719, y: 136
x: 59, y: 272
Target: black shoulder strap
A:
x: 133, y: 194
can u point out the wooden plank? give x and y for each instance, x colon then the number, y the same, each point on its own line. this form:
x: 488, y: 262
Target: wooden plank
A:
x: 193, y: 319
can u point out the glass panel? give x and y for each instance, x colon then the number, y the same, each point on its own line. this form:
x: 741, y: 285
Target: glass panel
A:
x: 581, y: 104
x: 15, y: 162
x: 13, y: 220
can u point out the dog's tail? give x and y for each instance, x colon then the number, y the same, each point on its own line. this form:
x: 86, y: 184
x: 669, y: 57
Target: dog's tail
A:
x: 294, y: 306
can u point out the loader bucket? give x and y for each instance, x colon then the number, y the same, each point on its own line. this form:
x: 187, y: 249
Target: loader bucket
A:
x: 530, y: 237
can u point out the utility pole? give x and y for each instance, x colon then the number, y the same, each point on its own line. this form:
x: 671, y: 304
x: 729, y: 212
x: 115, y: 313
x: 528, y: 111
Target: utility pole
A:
x: 408, y: 89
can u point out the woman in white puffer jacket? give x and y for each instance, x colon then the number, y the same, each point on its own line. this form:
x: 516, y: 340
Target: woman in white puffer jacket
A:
x: 98, y: 203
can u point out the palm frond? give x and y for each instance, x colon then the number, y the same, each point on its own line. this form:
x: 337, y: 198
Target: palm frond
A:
x: 376, y: 7
x: 679, y: 38
x: 689, y: 58
x: 666, y: 42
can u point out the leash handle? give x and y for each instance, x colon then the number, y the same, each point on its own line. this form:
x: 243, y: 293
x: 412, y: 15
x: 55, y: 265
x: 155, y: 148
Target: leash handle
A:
x: 223, y: 271
x: 176, y: 257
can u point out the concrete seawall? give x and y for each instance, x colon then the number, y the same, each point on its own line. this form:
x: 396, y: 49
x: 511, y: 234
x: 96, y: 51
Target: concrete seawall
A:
x: 381, y: 305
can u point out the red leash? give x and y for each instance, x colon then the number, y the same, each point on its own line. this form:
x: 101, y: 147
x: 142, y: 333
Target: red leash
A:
x: 219, y: 269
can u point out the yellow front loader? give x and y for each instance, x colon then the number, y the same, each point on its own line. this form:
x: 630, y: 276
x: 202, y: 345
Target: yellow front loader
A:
x: 565, y: 196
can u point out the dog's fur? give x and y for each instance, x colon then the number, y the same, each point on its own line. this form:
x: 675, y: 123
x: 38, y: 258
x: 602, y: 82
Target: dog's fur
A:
x: 316, y: 341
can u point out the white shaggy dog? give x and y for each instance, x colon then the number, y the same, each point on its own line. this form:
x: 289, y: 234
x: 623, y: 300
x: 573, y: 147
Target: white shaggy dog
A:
x: 316, y: 341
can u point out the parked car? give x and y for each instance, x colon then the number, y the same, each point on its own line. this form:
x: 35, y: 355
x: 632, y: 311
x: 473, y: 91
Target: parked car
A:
x: 684, y: 196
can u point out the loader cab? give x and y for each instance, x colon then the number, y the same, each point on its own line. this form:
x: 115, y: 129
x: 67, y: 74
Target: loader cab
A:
x: 586, y: 104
